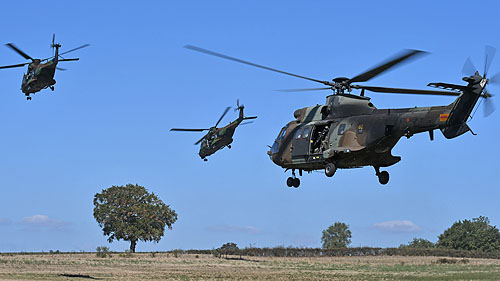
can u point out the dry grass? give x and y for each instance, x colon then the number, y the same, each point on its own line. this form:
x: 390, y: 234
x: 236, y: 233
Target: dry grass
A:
x: 163, y: 266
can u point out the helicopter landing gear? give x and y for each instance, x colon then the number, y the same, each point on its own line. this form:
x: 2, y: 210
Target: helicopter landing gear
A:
x: 330, y: 169
x: 229, y: 146
x: 28, y: 98
x: 293, y: 181
x: 205, y: 159
x: 52, y: 88
x: 383, y: 177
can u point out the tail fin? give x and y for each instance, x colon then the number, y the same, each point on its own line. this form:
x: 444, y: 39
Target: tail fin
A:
x: 240, y: 108
x: 463, y: 106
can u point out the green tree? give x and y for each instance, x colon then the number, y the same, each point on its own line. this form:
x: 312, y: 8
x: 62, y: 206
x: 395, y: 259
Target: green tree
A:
x: 477, y: 234
x: 337, y: 235
x: 419, y: 243
x: 132, y: 213
x: 228, y: 249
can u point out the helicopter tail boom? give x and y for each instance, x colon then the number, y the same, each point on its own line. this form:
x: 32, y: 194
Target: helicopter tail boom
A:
x: 463, y: 106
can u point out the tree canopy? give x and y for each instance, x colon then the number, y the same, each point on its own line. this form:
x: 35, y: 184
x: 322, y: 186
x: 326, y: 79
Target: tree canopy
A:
x: 132, y: 213
x: 476, y: 234
x: 337, y: 235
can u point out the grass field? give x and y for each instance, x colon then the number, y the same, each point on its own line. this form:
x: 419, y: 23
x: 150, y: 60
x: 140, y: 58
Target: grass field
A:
x: 164, y: 266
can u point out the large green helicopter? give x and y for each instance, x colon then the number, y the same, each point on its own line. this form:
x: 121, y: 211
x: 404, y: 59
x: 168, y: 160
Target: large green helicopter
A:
x: 40, y: 73
x: 348, y: 131
x: 218, y: 138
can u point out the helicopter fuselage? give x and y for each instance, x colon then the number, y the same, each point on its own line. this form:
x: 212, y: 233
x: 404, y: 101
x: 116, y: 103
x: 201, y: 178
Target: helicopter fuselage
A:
x: 349, y: 132
x: 38, y: 77
x: 218, y: 139
x: 357, y: 140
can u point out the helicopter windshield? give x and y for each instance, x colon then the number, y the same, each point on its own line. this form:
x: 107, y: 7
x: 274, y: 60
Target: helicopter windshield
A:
x: 205, y: 143
x: 281, y: 135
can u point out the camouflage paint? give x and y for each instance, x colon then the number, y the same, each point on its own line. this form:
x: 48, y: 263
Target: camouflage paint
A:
x: 360, y: 135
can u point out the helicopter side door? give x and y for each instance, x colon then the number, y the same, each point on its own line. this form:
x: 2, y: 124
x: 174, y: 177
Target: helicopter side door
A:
x: 301, y: 143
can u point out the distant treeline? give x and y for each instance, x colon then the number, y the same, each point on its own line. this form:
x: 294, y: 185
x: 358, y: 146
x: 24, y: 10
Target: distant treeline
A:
x: 309, y: 252
x: 343, y: 252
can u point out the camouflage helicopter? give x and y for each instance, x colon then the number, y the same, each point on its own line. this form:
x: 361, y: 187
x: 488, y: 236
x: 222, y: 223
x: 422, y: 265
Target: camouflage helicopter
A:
x: 218, y: 138
x: 40, y: 75
x: 350, y: 132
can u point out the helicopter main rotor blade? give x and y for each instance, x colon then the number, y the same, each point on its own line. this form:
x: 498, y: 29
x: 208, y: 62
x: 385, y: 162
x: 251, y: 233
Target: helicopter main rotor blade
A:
x: 200, y: 140
x: 303, y: 90
x: 69, y: 59
x: 405, y: 91
x: 245, y: 123
x: 15, y: 65
x: 222, y: 116
x: 363, y: 77
x: 188, y: 130
x: 61, y: 69
x: 13, y: 47
x: 77, y: 48
x: 201, y: 50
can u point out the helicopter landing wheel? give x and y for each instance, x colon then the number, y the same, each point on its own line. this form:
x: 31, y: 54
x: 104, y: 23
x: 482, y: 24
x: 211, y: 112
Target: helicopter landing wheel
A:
x: 52, y: 88
x: 205, y: 159
x: 229, y: 146
x: 293, y: 182
x: 28, y: 98
x: 330, y: 170
x: 383, y: 177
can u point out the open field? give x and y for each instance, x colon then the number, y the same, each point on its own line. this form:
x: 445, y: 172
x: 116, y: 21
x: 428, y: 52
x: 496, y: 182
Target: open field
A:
x: 163, y: 266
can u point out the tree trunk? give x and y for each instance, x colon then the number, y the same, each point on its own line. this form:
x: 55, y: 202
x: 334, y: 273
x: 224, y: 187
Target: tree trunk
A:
x: 132, y: 245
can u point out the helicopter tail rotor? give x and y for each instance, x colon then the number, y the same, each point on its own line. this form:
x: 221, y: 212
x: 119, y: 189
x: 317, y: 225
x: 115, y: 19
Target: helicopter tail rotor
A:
x: 238, y: 106
x: 489, y: 54
x: 55, y: 46
x: 489, y: 106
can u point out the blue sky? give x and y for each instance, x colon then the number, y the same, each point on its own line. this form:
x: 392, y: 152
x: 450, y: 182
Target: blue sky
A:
x: 107, y: 123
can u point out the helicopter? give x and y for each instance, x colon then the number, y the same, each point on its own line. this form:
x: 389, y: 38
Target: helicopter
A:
x: 348, y: 131
x: 218, y: 138
x: 40, y: 75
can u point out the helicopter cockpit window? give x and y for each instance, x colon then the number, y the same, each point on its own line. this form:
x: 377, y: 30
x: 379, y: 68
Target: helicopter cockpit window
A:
x: 282, y: 133
x: 341, y: 129
x: 298, y: 133
x: 305, y: 132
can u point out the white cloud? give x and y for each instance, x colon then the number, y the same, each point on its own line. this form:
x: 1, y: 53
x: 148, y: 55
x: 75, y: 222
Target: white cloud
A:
x: 42, y: 221
x: 397, y: 226
x: 234, y: 229
x: 4, y: 221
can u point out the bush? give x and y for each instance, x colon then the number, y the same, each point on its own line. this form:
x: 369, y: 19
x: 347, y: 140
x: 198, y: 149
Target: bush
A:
x: 452, y: 261
x: 102, y: 252
x: 419, y: 243
x: 126, y: 254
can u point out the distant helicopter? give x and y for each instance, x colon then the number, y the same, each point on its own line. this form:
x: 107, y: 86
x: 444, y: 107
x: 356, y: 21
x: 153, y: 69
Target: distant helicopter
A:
x: 350, y: 132
x: 218, y: 138
x: 40, y: 75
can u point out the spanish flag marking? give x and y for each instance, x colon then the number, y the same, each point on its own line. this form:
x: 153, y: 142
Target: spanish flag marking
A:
x: 443, y: 117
